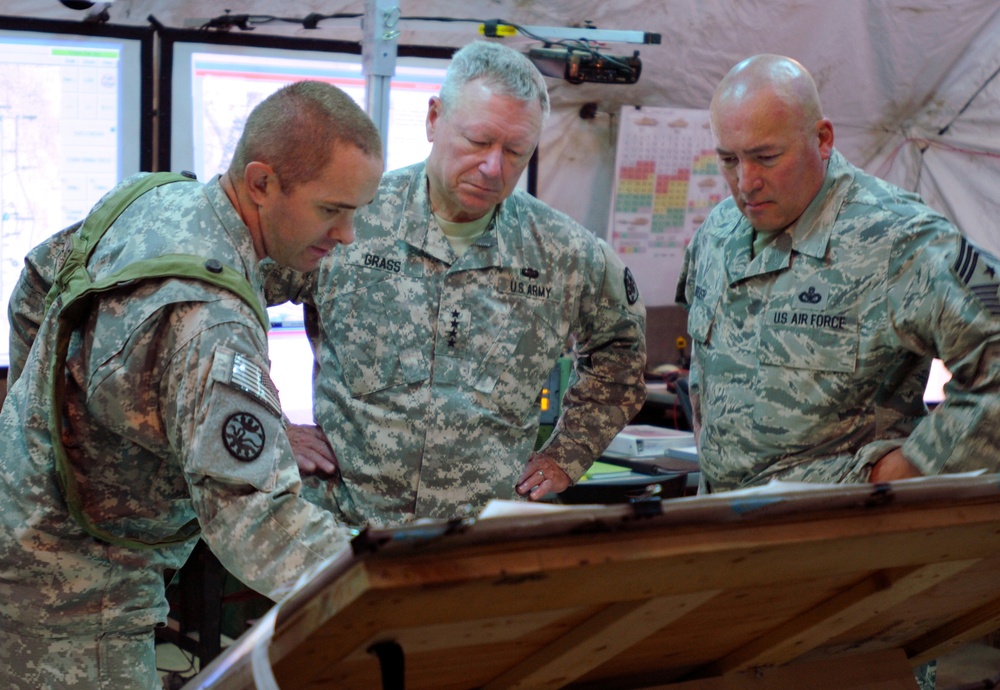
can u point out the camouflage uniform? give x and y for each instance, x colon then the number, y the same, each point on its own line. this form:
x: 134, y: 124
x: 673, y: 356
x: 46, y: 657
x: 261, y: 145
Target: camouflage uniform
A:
x: 161, y: 436
x: 430, y: 365
x: 810, y: 360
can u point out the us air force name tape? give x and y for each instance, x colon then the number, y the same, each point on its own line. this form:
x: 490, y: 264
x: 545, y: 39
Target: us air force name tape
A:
x: 978, y: 270
x: 254, y: 381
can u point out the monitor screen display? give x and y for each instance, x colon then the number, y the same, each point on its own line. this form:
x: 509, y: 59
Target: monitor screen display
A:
x: 214, y: 86
x: 75, y: 105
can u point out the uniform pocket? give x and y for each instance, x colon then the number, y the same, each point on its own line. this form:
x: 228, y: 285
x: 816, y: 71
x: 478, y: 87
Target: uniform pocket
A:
x: 701, y: 318
x: 517, y: 362
x: 805, y: 381
x: 816, y: 349
x: 375, y: 345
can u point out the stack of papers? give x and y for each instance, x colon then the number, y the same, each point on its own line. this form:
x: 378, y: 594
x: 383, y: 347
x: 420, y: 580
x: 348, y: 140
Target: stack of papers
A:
x: 644, y: 440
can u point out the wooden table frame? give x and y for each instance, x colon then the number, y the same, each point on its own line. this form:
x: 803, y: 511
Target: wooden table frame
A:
x: 836, y: 587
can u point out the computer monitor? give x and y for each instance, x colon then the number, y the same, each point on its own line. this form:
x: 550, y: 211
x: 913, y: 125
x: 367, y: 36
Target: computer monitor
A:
x: 76, y: 106
x: 210, y: 82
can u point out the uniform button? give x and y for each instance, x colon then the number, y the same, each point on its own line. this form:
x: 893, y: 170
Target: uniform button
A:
x: 214, y: 266
x: 188, y: 173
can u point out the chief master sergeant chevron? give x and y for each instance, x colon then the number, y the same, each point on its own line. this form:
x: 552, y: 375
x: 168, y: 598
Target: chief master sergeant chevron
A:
x: 817, y: 296
x: 170, y: 424
x: 439, y: 326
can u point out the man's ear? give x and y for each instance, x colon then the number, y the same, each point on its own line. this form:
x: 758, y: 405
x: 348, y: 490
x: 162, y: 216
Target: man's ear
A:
x: 824, y: 131
x: 433, y: 113
x: 260, y: 181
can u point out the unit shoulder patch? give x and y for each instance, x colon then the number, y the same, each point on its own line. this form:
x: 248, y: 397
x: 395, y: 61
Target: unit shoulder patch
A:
x: 243, y: 436
x: 631, y: 289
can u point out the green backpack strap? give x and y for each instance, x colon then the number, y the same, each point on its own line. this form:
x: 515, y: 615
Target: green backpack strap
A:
x: 78, y: 291
x: 85, y: 240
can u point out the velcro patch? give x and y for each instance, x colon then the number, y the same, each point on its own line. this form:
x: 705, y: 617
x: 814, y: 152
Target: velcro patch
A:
x: 631, y: 289
x: 243, y: 436
x: 254, y: 381
x: 978, y: 270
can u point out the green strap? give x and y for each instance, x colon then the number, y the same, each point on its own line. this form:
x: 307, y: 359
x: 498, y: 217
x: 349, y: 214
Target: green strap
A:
x: 74, y: 270
x: 78, y: 290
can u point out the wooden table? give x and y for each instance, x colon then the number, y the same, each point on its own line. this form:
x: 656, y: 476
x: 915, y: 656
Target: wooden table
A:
x: 835, y: 587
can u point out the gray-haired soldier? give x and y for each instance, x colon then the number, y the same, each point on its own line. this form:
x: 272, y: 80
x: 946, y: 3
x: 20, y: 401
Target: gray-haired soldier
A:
x: 438, y: 328
x: 170, y: 423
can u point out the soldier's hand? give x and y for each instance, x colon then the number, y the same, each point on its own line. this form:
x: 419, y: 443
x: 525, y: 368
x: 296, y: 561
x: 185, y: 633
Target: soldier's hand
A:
x: 893, y: 465
x: 541, y: 476
x: 313, y: 453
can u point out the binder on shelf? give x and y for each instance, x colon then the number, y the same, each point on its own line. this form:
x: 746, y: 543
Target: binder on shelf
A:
x: 688, y: 452
x: 645, y: 440
x: 662, y: 464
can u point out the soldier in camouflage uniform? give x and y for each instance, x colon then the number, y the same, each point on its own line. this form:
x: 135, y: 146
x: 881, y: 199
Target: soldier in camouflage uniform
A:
x: 171, y: 421
x: 438, y: 328
x: 817, y: 297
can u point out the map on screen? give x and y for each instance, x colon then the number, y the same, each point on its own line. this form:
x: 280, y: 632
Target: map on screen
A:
x: 225, y: 87
x: 62, y: 137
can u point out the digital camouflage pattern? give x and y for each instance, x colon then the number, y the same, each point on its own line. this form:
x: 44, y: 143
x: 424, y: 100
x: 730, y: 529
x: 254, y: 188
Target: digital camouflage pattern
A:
x: 431, y: 365
x: 119, y: 661
x: 810, y: 360
x: 170, y: 417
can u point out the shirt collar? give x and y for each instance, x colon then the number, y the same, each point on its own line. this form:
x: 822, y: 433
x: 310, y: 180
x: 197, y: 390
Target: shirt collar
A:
x: 811, y: 232
x: 235, y: 229
x: 419, y: 228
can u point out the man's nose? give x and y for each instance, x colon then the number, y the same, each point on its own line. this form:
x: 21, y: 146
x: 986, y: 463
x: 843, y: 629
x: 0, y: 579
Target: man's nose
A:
x: 492, y: 161
x: 343, y: 230
x: 749, y: 177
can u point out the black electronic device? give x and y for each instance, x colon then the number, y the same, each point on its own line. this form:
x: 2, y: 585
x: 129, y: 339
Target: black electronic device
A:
x: 579, y: 66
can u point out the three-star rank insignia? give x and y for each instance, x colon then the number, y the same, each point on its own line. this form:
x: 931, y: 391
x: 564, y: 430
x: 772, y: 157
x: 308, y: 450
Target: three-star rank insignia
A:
x: 243, y: 436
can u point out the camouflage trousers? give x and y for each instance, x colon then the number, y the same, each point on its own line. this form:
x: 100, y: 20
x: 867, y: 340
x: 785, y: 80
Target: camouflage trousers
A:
x: 109, y: 661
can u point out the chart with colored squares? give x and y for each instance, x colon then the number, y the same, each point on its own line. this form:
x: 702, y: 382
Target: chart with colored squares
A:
x: 666, y: 181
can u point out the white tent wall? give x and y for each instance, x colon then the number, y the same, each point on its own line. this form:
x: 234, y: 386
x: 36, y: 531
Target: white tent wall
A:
x: 894, y: 77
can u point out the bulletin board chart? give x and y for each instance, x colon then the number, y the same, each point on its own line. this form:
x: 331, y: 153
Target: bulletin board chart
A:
x: 666, y: 181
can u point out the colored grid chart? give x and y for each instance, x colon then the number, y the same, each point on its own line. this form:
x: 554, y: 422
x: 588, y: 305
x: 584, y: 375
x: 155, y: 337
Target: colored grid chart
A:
x: 666, y: 182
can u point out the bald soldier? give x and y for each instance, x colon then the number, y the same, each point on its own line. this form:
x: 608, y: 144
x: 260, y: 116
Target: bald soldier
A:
x: 168, y: 425
x: 817, y: 297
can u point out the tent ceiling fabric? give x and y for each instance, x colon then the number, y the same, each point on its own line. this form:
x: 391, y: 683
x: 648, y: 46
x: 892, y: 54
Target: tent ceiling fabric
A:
x: 892, y: 74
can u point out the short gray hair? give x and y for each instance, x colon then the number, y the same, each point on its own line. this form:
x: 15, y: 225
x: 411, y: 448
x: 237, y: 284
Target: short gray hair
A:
x: 503, y: 68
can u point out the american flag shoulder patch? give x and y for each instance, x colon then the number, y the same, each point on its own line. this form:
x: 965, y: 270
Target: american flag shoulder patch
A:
x: 255, y: 382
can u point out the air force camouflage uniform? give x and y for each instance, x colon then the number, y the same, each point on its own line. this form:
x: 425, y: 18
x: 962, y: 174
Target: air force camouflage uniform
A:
x: 810, y: 360
x: 430, y: 365
x: 165, y: 429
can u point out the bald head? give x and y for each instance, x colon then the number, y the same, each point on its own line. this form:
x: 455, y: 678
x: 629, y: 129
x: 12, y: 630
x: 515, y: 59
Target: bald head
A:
x: 772, y: 139
x: 772, y: 76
